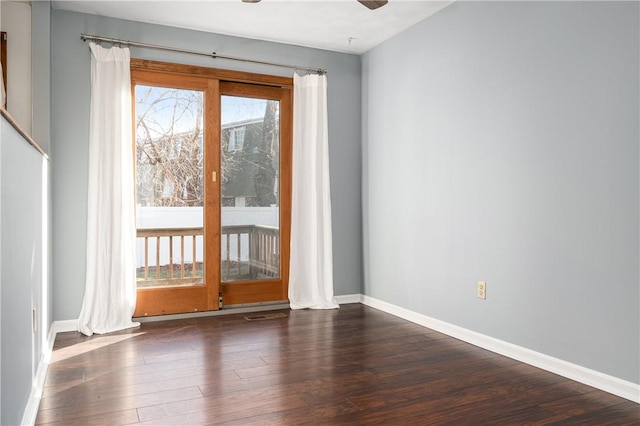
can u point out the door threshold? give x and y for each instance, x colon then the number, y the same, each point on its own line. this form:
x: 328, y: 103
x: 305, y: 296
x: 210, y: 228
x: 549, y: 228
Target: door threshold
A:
x: 227, y: 310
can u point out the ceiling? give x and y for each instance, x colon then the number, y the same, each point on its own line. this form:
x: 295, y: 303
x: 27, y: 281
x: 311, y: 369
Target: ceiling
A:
x: 338, y: 25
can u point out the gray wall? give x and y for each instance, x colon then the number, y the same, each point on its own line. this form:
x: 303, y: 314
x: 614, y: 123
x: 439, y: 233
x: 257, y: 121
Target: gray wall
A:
x: 501, y: 143
x: 70, y: 69
x: 24, y: 238
x: 41, y: 131
x: 23, y: 283
x: 41, y: 71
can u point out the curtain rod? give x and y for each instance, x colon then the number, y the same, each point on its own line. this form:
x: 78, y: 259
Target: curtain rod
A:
x: 213, y: 55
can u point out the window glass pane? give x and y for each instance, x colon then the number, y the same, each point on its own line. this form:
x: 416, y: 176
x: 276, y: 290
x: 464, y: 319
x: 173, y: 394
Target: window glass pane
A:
x: 250, y: 199
x: 169, y: 186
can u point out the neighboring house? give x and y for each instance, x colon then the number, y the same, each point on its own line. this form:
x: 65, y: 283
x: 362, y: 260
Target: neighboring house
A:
x: 250, y: 156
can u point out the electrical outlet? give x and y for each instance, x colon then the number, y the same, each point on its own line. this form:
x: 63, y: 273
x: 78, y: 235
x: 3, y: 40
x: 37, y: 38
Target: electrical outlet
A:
x: 482, y: 290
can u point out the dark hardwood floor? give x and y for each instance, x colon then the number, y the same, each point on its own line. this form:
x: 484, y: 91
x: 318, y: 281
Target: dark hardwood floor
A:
x: 355, y: 365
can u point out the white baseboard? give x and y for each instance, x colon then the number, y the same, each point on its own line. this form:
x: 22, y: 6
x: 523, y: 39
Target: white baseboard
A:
x: 345, y: 299
x: 33, y: 403
x: 596, y: 379
x: 31, y: 409
x: 64, y: 326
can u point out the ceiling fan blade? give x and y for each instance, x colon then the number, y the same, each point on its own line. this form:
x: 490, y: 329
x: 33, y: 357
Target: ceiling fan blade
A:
x: 373, y: 4
x: 250, y: 1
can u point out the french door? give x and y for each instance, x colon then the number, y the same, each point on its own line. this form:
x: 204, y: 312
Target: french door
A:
x: 213, y: 187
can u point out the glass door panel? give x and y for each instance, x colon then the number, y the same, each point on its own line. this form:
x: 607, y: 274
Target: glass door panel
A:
x: 213, y: 192
x: 250, y: 189
x: 169, y: 130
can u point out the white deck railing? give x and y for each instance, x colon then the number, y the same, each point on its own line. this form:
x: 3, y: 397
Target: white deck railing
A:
x: 248, y: 252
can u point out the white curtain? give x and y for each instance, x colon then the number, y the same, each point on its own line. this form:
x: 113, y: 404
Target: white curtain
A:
x: 110, y: 288
x: 311, y: 265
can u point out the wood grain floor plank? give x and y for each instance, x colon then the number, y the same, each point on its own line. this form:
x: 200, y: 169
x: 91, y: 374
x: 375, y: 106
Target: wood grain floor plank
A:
x: 314, y: 415
x: 124, y: 417
x: 84, y: 408
x: 355, y: 365
x: 237, y: 403
x: 91, y: 392
x: 618, y: 415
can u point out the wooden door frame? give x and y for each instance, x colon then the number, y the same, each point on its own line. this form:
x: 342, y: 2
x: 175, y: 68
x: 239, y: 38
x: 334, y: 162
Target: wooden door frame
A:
x: 205, y: 297
x: 169, y: 300
x: 269, y: 290
x: 3, y: 60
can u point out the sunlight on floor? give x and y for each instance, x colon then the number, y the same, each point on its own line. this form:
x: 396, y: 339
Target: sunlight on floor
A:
x: 96, y: 342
